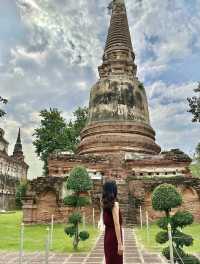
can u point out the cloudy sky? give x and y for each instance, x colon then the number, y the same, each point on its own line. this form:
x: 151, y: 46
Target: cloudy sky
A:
x: 50, y: 50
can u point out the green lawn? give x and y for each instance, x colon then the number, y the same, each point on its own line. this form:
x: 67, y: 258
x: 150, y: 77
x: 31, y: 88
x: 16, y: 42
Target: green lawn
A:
x: 195, y: 168
x: 193, y: 230
x: 34, y: 236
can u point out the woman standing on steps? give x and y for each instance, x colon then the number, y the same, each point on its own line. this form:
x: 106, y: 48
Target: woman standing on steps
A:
x: 113, y: 242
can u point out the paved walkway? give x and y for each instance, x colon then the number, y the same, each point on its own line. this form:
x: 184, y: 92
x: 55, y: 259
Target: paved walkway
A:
x: 132, y: 254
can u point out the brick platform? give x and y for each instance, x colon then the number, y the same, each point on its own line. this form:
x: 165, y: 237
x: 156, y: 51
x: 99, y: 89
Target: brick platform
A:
x: 132, y: 254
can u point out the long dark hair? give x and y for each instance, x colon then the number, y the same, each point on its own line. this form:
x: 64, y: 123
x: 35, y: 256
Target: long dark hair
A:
x: 109, y: 195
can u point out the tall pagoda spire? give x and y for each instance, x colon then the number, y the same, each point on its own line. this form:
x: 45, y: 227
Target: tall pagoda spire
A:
x: 118, y: 119
x: 18, y: 152
x: 118, y: 33
x: 118, y: 49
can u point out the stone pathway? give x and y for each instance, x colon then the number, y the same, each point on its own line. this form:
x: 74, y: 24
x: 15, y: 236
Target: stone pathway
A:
x: 132, y: 254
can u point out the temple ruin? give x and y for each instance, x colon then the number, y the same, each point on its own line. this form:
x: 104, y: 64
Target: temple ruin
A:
x: 118, y: 142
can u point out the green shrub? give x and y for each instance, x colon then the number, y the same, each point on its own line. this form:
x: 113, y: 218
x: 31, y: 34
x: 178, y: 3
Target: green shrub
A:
x: 178, y: 252
x: 162, y: 237
x: 182, y: 239
x: 165, y: 197
x: 75, y: 218
x: 163, y: 222
x: 80, y: 183
x: 70, y: 230
x: 166, y: 252
x: 83, y: 201
x: 182, y: 219
x: 84, y: 235
x: 20, y: 194
x: 189, y: 259
x: 73, y: 201
x: 79, y: 180
x: 70, y: 201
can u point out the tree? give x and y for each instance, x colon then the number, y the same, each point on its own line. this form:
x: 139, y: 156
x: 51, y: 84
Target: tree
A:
x: 79, y: 183
x: 198, y: 152
x: 20, y: 194
x: 4, y: 101
x: 194, y: 104
x: 76, y: 126
x: 50, y: 135
x: 55, y: 133
x: 165, y: 197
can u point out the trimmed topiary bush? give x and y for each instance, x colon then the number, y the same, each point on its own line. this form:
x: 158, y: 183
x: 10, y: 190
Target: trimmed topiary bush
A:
x: 165, y: 197
x: 163, y: 222
x: 182, y: 219
x: 189, y: 259
x: 79, y: 183
x: 162, y: 237
x: 79, y: 180
x: 177, y: 253
x: 83, y: 235
x: 70, y: 230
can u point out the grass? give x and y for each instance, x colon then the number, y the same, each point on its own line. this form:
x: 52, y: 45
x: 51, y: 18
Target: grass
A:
x: 152, y: 245
x: 195, y: 169
x: 34, y: 236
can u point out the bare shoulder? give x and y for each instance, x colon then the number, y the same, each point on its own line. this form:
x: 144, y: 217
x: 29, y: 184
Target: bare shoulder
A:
x: 116, y: 206
x: 115, y: 211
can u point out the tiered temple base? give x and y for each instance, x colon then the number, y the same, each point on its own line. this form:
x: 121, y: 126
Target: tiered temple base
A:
x: 136, y: 176
x: 115, y: 137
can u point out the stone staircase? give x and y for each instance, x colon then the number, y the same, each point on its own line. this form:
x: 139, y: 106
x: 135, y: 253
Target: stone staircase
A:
x: 132, y: 213
x: 126, y: 205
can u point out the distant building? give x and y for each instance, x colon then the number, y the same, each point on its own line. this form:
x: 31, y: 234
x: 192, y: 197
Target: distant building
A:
x: 13, y: 170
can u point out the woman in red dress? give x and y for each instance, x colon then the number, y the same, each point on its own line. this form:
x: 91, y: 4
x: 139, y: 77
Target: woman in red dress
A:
x: 113, y: 242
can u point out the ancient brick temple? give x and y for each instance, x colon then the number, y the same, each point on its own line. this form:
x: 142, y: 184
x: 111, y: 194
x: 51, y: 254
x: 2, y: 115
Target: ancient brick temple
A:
x: 118, y: 142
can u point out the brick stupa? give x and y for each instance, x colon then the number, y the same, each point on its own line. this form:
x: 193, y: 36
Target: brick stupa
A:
x: 118, y: 142
x: 118, y: 111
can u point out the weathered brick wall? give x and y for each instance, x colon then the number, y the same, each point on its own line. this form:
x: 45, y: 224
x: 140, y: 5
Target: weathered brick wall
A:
x: 44, y: 199
x: 47, y: 206
x: 189, y: 188
x: 136, y: 179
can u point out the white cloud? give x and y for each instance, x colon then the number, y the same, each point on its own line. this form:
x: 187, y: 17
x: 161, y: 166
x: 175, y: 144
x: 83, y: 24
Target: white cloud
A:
x: 21, y: 54
x: 53, y: 63
x: 72, y: 31
x: 169, y: 116
x: 168, y: 30
x: 173, y: 92
x: 26, y: 4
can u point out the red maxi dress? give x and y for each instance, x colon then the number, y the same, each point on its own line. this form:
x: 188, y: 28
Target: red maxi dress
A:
x: 110, y: 239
